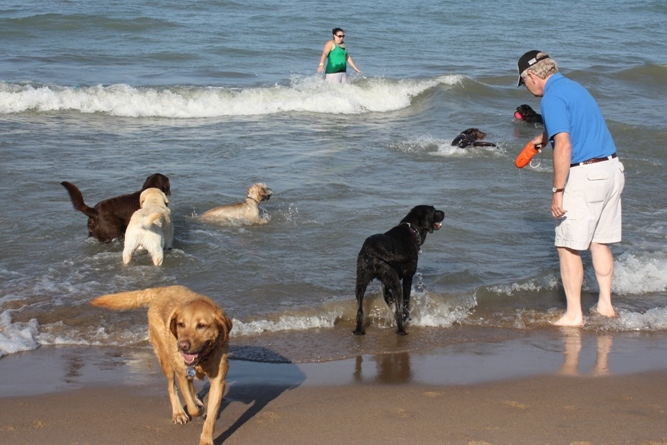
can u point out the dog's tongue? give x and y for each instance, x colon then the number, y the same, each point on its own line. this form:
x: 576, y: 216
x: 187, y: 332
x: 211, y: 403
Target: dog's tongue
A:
x: 189, y: 358
x: 518, y: 116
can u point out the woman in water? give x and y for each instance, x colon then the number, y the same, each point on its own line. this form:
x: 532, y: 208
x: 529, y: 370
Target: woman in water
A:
x: 337, y: 59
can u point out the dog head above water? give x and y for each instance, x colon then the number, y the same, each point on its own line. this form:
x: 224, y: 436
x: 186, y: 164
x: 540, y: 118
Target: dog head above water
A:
x: 471, y: 137
x: 526, y: 113
x: 474, y: 133
x: 159, y: 181
x: 259, y: 192
x: 424, y: 218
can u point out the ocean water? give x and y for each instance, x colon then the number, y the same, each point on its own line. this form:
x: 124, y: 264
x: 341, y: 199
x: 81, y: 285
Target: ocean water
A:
x: 218, y: 95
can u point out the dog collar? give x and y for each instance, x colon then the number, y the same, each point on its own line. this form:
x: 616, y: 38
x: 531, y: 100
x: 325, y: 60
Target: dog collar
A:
x: 252, y: 199
x: 415, y: 233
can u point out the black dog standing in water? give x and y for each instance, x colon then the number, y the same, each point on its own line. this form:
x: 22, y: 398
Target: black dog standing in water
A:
x: 391, y: 257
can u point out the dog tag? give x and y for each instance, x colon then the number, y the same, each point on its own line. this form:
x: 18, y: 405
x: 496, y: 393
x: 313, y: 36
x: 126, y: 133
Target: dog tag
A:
x: 191, y: 372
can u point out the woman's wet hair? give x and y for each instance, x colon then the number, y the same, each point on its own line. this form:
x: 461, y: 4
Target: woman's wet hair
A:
x: 335, y: 30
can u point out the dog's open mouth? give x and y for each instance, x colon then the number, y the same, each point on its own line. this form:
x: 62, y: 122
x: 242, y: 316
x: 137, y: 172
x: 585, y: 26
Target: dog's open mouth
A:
x: 192, y: 358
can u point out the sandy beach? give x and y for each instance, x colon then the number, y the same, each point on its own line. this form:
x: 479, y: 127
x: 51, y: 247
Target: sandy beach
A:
x: 219, y: 95
x: 546, y: 388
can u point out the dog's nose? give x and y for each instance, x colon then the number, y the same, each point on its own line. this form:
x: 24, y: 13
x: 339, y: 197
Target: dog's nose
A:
x: 184, y: 346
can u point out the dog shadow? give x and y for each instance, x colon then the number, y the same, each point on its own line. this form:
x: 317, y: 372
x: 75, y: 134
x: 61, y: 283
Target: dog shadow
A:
x: 384, y: 368
x: 256, y: 377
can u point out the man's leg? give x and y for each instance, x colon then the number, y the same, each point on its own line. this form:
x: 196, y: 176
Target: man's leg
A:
x: 603, y: 264
x: 572, y: 275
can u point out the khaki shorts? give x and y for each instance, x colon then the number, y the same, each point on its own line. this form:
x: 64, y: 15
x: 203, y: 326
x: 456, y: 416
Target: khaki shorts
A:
x: 592, y: 198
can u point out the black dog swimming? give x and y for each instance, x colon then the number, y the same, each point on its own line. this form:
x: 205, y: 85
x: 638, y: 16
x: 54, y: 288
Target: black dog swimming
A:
x: 471, y: 137
x: 526, y: 113
x: 391, y: 257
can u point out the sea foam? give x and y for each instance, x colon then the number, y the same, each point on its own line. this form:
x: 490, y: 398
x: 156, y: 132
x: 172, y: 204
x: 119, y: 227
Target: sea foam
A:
x: 638, y: 273
x: 304, y: 94
x: 17, y: 337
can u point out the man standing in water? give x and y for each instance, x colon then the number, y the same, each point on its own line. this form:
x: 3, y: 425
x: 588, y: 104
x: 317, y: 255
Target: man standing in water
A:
x: 587, y: 183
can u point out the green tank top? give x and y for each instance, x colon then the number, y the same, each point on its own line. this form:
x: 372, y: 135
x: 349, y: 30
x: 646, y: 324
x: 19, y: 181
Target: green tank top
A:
x: 336, y: 60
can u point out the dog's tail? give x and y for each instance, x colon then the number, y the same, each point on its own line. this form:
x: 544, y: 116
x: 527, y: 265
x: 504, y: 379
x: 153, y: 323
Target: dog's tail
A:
x: 124, y: 301
x: 147, y: 221
x: 77, y: 200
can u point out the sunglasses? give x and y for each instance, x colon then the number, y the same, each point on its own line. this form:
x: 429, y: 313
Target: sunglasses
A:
x: 340, y: 35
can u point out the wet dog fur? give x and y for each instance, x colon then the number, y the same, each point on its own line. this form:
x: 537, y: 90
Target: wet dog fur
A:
x: 527, y: 114
x: 246, y: 211
x: 391, y: 258
x: 108, y: 219
x: 190, y: 336
x: 471, y: 137
x: 150, y: 227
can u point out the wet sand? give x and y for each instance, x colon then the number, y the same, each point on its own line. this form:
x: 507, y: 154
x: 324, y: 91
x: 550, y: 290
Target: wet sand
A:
x: 552, y: 387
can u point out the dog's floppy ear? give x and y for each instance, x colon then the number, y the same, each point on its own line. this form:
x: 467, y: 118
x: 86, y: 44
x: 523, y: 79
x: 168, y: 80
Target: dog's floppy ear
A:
x: 142, y: 198
x: 173, y: 323
x: 223, y: 321
x: 164, y: 185
x: 166, y: 200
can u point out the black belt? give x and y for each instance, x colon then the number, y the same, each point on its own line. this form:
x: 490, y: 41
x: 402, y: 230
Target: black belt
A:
x: 594, y: 160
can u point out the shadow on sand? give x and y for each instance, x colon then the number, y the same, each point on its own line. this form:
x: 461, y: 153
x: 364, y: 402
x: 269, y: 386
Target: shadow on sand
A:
x: 256, y: 377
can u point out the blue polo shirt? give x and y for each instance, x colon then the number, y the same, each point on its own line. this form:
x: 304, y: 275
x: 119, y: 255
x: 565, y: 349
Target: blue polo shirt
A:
x: 567, y: 107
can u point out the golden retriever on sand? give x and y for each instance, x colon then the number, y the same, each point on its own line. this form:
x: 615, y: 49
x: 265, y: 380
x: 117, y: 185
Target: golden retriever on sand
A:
x: 246, y: 211
x: 190, y: 337
x: 150, y: 227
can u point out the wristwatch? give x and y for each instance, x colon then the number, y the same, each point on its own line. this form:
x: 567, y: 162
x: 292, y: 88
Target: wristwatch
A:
x: 556, y: 190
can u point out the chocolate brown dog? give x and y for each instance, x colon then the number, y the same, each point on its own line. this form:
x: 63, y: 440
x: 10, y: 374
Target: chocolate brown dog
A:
x: 109, y: 218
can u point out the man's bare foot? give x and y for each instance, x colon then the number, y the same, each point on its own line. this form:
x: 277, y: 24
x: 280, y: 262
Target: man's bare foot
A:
x: 604, y: 310
x: 576, y: 321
